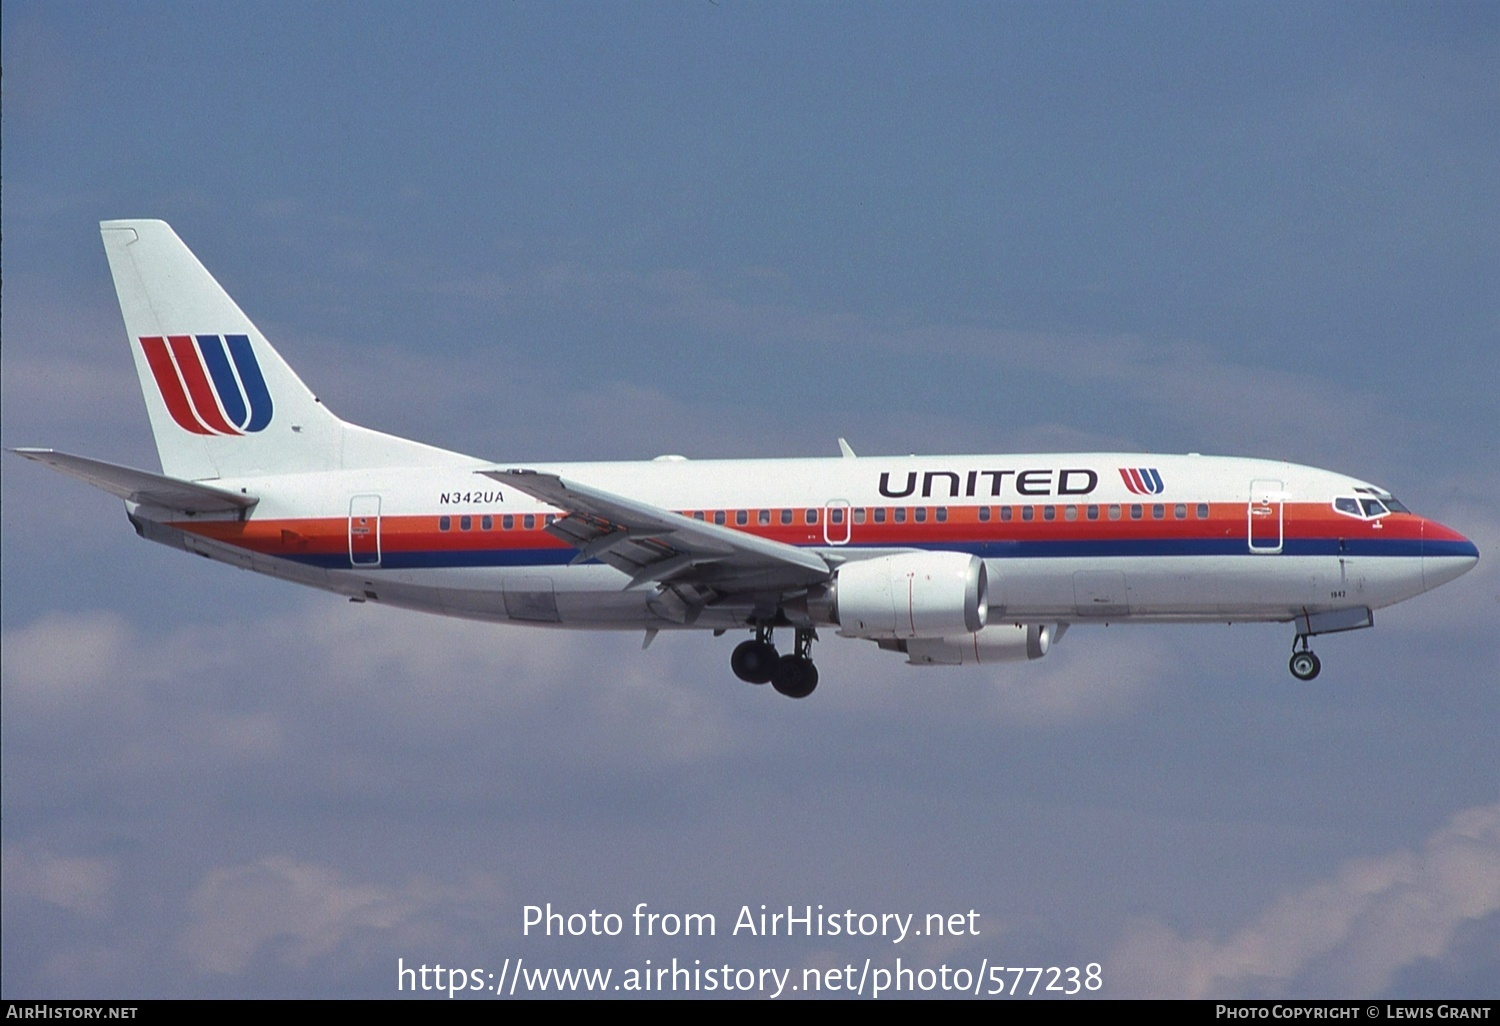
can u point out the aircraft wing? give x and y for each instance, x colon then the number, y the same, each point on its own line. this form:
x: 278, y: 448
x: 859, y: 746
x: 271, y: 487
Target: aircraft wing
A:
x: 141, y: 486
x: 654, y: 544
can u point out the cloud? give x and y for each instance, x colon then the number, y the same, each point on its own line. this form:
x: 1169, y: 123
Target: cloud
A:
x: 66, y: 661
x: 301, y: 912
x: 1352, y: 934
x: 317, y: 692
x: 1101, y: 678
x: 79, y: 884
x: 139, y: 703
x: 477, y: 682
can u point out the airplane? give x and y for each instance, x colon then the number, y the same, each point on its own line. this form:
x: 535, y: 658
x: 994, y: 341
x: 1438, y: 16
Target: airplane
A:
x: 948, y: 560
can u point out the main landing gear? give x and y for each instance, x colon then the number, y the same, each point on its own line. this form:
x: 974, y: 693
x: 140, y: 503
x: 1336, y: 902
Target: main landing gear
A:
x: 1304, y: 665
x: 757, y: 662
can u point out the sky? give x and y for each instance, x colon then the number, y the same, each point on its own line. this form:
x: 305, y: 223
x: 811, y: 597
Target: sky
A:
x: 568, y: 231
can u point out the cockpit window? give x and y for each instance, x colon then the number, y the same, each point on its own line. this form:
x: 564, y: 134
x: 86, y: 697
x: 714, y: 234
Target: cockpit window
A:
x: 1365, y: 506
x: 1368, y: 503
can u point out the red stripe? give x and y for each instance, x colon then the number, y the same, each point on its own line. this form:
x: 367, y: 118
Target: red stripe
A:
x: 160, y: 362
x: 205, y: 403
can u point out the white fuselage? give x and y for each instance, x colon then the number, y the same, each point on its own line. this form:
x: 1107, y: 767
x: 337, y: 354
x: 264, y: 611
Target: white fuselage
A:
x: 1064, y: 538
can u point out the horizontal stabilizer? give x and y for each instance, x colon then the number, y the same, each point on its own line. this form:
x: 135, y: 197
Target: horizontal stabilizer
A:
x: 141, y: 486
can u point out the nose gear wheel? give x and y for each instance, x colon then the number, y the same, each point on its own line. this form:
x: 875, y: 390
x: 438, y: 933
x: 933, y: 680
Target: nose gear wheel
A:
x: 1305, y: 665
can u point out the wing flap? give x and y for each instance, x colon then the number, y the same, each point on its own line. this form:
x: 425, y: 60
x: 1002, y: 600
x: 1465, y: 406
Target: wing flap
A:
x: 143, y: 487
x: 654, y: 544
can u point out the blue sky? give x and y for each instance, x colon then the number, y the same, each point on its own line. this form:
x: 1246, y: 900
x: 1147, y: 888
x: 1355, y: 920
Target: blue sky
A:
x: 569, y: 231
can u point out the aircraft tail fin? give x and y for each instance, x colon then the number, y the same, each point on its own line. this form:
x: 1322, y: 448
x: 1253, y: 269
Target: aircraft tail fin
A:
x: 222, y: 401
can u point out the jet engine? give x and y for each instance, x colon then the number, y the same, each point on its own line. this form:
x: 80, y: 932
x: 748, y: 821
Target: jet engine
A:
x: 911, y: 595
x: 996, y: 643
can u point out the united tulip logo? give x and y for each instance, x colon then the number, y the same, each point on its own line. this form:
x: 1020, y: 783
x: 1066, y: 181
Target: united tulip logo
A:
x: 211, y: 384
x: 1142, y: 480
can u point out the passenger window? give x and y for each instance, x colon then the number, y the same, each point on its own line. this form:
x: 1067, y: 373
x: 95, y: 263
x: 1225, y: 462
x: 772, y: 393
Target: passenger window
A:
x: 530, y: 521
x: 1027, y: 512
x: 507, y: 523
x: 1070, y: 512
x: 836, y: 515
x: 900, y: 514
x: 859, y: 515
x: 880, y: 514
x: 1202, y: 511
x: 786, y: 516
x: 1005, y: 513
x: 1158, y: 511
x: 697, y: 514
x: 812, y: 516
x: 465, y: 523
x: 921, y: 514
x: 718, y: 516
x: 1114, y: 511
x: 942, y: 514
x: 1179, y: 511
x: 765, y: 516
x: 486, y: 523
x: 741, y: 517
x: 1093, y: 512
x: 1135, y: 511
x: 445, y: 523
x: 1049, y: 513
x: 984, y: 514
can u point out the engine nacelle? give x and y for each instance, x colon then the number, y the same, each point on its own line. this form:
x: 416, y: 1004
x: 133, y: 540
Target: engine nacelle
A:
x: 997, y: 643
x: 912, y: 595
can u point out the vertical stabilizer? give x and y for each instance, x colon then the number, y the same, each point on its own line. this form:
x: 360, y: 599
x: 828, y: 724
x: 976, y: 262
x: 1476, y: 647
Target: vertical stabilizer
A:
x: 222, y: 401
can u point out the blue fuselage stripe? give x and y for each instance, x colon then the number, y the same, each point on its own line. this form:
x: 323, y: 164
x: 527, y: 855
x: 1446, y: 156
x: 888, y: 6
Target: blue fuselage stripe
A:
x: 1071, y: 549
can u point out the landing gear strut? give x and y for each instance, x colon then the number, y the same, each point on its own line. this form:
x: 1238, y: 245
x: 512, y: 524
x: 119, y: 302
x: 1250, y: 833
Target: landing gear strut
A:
x: 1304, y: 665
x: 796, y: 676
x: 755, y: 661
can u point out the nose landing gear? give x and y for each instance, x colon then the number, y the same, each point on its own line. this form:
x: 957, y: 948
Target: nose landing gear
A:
x: 1305, y: 665
x: 757, y: 662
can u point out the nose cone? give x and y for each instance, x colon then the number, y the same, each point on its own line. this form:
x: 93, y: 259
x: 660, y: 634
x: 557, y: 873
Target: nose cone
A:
x: 1446, y: 554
